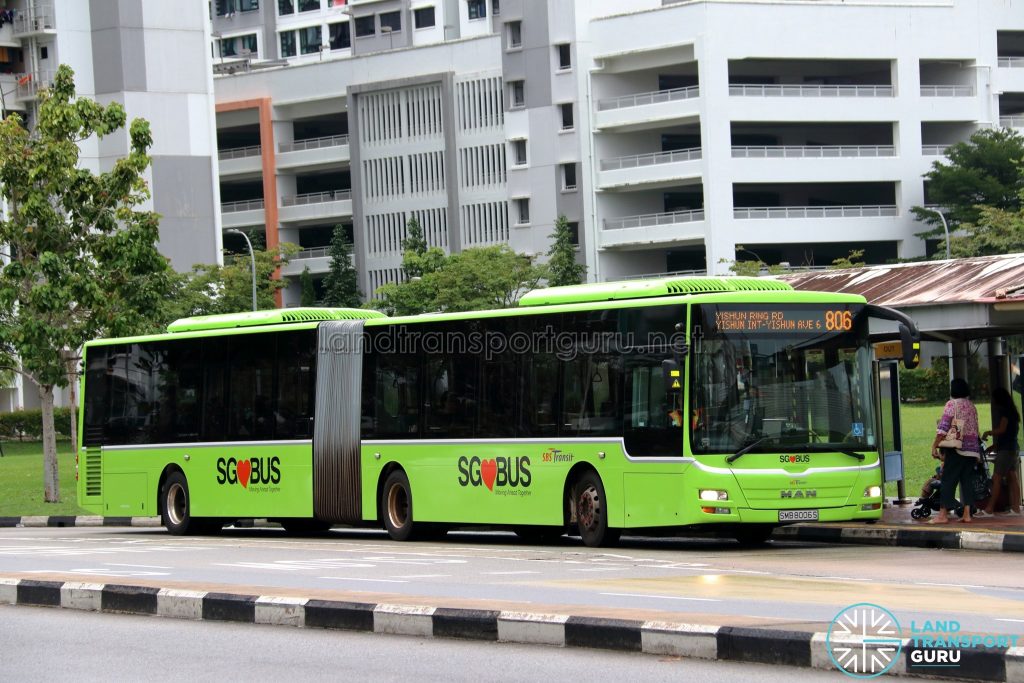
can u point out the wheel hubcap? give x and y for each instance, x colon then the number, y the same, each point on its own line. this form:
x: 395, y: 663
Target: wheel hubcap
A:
x: 176, y: 504
x: 398, y: 506
x: 588, y: 508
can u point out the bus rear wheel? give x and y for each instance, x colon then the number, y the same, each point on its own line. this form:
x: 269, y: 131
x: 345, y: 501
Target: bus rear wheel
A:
x: 396, y: 506
x: 591, y: 510
x: 175, y: 508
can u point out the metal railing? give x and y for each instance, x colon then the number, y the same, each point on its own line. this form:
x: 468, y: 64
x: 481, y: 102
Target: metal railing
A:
x: 1016, y: 121
x: 244, y: 205
x: 645, y: 98
x: 648, y: 220
x: 670, y: 273
x: 239, y: 152
x: 313, y: 143
x: 652, y: 159
x: 812, y: 151
x: 313, y: 252
x: 29, y: 85
x: 866, y: 211
x: 36, y: 18
x: 934, y: 150
x: 316, y: 198
x: 772, y: 90
x: 947, y: 91
x: 1011, y: 62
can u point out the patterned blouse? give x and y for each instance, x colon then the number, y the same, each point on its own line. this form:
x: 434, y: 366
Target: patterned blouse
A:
x: 965, y: 410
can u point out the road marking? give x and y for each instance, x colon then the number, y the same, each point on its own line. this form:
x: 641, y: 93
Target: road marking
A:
x: 947, y: 585
x: 840, y: 578
x: 1015, y: 621
x: 351, y: 578
x: 140, y: 566
x: 598, y: 569
x: 661, y: 597
x: 96, y: 572
x: 422, y: 576
x: 508, y: 573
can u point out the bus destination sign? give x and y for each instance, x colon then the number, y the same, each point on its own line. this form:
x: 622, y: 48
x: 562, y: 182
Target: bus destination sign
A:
x: 769, y: 320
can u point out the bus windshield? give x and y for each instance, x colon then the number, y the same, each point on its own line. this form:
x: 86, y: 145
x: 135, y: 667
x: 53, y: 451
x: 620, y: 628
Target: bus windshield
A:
x: 777, y: 377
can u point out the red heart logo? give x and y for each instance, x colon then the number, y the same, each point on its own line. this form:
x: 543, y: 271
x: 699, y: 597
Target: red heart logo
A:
x: 244, y: 469
x: 488, y: 470
x: 792, y: 458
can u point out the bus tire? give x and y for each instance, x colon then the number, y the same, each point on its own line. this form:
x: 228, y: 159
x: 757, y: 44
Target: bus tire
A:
x: 175, y: 506
x: 396, y: 506
x: 754, y: 535
x: 591, y: 510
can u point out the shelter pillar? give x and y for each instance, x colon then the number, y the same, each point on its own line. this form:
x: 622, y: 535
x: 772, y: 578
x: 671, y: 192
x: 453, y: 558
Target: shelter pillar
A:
x: 998, y: 364
x: 958, y: 361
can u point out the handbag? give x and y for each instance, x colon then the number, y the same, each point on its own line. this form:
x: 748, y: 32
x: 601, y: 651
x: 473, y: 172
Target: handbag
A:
x: 955, y: 434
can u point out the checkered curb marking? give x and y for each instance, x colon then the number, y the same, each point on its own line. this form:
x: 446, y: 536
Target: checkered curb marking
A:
x: 742, y: 644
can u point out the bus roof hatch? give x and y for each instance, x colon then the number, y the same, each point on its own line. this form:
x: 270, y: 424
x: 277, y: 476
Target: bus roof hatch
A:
x: 279, y: 316
x: 641, y: 289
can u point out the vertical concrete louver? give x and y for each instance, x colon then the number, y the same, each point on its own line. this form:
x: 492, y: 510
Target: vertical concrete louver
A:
x: 336, y: 471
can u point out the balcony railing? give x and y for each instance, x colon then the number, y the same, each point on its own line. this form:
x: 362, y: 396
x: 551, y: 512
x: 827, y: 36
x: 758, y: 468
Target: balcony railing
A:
x: 934, y: 150
x: 671, y: 273
x: 316, y: 198
x: 947, y: 91
x: 313, y: 252
x: 648, y: 220
x: 1011, y: 62
x: 812, y: 151
x: 313, y: 143
x: 36, y: 18
x: 867, y: 211
x: 29, y: 85
x: 655, y: 158
x: 239, y: 152
x: 644, y: 98
x: 771, y: 90
x: 1016, y: 121
x: 244, y: 205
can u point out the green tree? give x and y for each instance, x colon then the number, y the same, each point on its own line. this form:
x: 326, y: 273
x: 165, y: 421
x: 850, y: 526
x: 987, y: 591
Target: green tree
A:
x: 562, y: 266
x: 83, y: 261
x: 852, y: 260
x: 341, y: 286
x: 997, y: 231
x: 308, y: 296
x: 984, y: 171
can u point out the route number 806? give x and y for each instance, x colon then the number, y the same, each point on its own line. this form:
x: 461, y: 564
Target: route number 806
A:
x: 838, y: 321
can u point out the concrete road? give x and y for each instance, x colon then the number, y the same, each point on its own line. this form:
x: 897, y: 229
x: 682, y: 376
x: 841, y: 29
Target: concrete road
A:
x: 700, y: 581
x: 107, y: 647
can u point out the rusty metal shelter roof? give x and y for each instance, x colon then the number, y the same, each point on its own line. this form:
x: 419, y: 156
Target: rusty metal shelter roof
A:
x: 952, y: 300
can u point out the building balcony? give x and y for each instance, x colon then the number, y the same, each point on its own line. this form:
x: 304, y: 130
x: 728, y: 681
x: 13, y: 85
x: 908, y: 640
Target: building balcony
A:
x: 674, y: 227
x: 29, y: 85
x: 802, y: 90
x: 794, y: 212
x: 934, y: 150
x: 813, y: 151
x: 644, y: 110
x: 242, y: 214
x: 1015, y: 121
x: 240, y: 160
x: 1011, y: 62
x: 650, y: 170
x: 316, y: 205
x: 317, y: 259
x: 947, y: 91
x: 8, y: 84
x: 36, y: 20
x: 7, y: 38
x: 312, y: 152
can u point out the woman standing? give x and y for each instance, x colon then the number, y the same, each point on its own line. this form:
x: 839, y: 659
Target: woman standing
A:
x: 1007, y: 421
x: 958, y: 463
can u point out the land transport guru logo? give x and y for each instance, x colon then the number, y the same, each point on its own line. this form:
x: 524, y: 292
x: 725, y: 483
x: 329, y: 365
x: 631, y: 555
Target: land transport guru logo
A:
x: 257, y: 475
x: 864, y: 641
x: 503, y: 476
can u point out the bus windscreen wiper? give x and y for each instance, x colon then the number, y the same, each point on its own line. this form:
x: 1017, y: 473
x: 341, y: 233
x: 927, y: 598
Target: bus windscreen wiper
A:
x: 743, y: 451
x: 834, y: 449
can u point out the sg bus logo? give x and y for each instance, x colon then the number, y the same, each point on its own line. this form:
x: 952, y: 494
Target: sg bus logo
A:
x: 251, y: 471
x: 499, y: 471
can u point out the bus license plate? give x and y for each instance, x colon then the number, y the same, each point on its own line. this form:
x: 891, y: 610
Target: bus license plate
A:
x: 798, y: 515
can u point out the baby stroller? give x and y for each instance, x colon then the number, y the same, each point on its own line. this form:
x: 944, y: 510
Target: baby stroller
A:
x: 931, y: 502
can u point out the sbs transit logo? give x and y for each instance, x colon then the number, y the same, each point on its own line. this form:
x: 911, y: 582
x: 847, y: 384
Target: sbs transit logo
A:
x: 864, y: 641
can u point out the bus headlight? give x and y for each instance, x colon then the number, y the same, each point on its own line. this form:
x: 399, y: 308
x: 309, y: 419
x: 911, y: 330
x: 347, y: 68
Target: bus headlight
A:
x: 873, y: 492
x: 712, y: 494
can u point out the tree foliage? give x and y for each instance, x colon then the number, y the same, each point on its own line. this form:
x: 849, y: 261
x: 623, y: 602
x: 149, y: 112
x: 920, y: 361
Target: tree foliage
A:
x: 83, y: 261
x: 985, y: 171
x: 997, y: 231
x: 308, y: 294
x: 563, y: 268
x: 341, y: 286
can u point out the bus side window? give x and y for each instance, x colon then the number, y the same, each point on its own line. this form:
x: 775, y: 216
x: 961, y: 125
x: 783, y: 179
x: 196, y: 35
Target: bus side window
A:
x: 396, y: 396
x: 215, y: 390
x: 296, y: 374
x: 99, y: 373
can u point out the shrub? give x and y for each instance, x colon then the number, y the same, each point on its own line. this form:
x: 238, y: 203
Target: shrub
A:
x: 924, y: 384
x: 28, y: 424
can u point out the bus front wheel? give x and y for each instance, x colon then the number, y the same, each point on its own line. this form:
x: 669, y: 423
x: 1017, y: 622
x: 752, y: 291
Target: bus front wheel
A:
x: 591, y: 510
x: 176, y: 504
x: 396, y: 506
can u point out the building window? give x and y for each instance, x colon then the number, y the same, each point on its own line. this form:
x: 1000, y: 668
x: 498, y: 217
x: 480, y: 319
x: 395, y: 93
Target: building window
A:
x: 340, y: 35
x: 515, y: 34
x: 249, y: 5
x: 336, y: 3
x: 225, y: 8
x: 365, y: 26
x: 288, y: 44
x: 310, y: 39
x: 423, y: 17
x: 522, y: 210
x: 249, y: 44
x: 569, y: 176
x: 564, y: 57
x: 309, y: 5
x: 390, y: 22
x: 228, y: 48
x: 519, y: 152
x: 574, y: 233
x: 567, y: 121
x: 518, y: 92
x: 495, y: 7
x: 285, y: 7
x: 44, y: 52
x: 477, y: 9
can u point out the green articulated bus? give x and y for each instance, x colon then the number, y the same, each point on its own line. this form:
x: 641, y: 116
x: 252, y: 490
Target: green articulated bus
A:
x: 727, y: 404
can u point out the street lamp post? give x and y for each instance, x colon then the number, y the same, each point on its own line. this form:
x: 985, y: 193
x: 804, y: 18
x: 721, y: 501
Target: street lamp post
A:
x: 945, y: 228
x: 252, y: 262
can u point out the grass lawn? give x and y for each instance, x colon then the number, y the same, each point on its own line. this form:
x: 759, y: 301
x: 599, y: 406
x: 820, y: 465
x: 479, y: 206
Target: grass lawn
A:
x: 918, y: 432
x: 21, y: 480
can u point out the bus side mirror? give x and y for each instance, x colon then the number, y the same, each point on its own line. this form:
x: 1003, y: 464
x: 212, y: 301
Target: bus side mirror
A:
x: 672, y: 375
x: 911, y: 347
